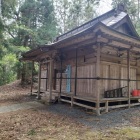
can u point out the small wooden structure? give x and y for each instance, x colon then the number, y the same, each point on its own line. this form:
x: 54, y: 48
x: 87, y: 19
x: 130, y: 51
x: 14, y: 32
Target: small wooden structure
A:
x: 98, y: 56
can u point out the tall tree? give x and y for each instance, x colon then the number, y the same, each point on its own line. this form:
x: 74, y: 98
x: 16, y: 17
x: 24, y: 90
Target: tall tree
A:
x: 27, y: 23
x: 72, y: 13
x: 130, y: 6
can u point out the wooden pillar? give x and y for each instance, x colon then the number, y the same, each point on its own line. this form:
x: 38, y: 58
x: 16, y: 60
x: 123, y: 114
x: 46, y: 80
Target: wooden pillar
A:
x: 32, y: 77
x: 46, y: 76
x: 50, y: 80
x: 76, y: 71
x: 60, y: 79
x: 128, y: 76
x: 39, y: 80
x: 98, y: 57
x: 106, y: 106
x: 137, y: 76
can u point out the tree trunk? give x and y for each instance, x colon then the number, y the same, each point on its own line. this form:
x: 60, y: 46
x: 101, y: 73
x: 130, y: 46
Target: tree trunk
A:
x: 23, y: 74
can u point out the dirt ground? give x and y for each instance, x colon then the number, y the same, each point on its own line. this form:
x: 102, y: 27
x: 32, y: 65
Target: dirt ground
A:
x: 13, y: 93
x: 42, y: 124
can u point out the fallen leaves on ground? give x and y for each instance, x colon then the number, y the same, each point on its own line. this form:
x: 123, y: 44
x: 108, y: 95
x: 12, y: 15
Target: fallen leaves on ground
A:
x: 13, y: 93
x: 41, y: 124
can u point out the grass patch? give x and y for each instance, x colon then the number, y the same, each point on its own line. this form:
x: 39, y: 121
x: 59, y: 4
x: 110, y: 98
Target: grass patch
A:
x: 31, y: 132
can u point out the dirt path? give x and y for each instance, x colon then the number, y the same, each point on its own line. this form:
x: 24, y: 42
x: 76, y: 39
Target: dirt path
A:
x: 20, y: 106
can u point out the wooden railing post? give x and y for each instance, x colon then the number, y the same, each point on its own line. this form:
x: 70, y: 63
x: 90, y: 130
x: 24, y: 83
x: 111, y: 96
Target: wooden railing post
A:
x: 98, y: 57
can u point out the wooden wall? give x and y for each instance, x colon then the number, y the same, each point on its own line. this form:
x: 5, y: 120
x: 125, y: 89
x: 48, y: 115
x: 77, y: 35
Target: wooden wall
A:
x: 86, y: 87
x: 118, y: 72
x: 43, y: 81
x: 110, y: 68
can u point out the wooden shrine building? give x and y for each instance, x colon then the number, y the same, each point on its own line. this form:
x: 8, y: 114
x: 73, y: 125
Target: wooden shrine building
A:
x: 96, y: 65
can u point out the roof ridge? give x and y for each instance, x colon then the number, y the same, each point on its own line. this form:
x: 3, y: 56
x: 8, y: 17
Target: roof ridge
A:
x: 90, y: 21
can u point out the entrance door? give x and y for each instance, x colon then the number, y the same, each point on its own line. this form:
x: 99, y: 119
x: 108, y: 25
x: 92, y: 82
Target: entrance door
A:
x: 68, y: 81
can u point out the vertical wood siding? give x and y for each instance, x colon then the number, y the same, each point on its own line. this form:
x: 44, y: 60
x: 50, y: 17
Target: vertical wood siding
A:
x: 86, y: 87
x: 43, y: 81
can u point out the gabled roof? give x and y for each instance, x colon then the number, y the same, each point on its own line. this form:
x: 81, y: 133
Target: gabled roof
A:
x: 113, y: 19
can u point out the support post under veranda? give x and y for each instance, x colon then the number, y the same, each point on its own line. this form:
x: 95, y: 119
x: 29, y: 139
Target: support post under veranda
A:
x: 128, y: 76
x: 32, y: 78
x: 50, y: 80
x: 75, y: 90
x: 98, y: 59
x: 59, y: 96
x: 39, y: 81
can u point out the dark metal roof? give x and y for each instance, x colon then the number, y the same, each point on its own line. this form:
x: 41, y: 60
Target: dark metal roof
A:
x: 86, y: 25
x: 110, y: 19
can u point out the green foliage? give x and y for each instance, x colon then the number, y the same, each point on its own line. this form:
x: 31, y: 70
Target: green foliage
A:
x: 130, y: 6
x: 31, y: 132
x: 23, y: 25
x: 72, y: 13
x: 8, y: 8
x: 7, y: 66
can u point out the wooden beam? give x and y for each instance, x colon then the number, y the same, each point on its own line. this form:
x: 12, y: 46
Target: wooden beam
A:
x: 119, y: 44
x: 87, y: 43
x: 76, y: 40
x: 128, y: 75
x: 50, y: 80
x: 119, y: 40
x: 109, y: 32
x: 46, y: 76
x: 85, y: 106
x: 97, y: 91
x: 76, y: 52
x: 39, y: 80
x: 60, y: 78
x: 32, y: 77
x: 106, y: 106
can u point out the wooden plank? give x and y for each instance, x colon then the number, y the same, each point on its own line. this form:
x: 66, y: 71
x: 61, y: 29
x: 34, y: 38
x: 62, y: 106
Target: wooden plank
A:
x: 114, y: 99
x: 84, y: 99
x: 109, y: 63
x: 85, y: 106
x: 98, y: 81
x: 118, y: 44
x: 137, y: 97
x: 63, y: 100
x: 117, y: 106
x: 84, y: 40
x: 135, y: 104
